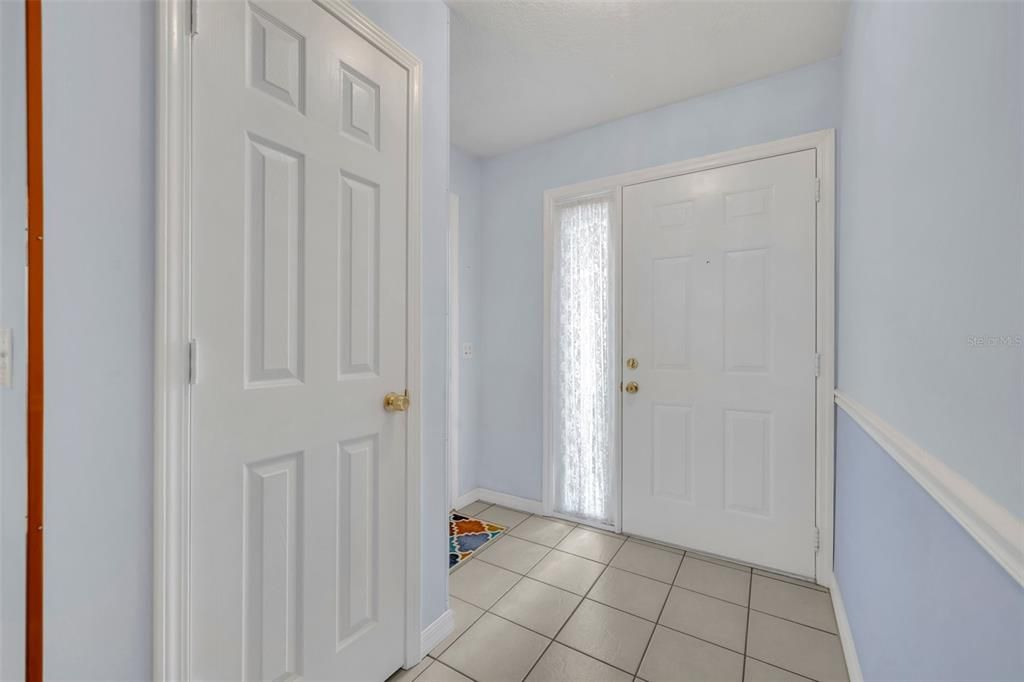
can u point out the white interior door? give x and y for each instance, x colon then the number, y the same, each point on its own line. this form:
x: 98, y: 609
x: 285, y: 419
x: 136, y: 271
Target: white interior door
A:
x: 718, y: 311
x: 299, y: 313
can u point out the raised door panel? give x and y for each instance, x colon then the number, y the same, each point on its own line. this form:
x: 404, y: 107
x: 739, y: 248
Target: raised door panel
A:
x: 672, y: 452
x: 358, y: 538
x: 272, y: 568
x: 746, y: 316
x: 276, y: 58
x: 275, y: 263
x: 748, y: 461
x: 359, y: 285
x: 360, y: 106
x: 671, y: 293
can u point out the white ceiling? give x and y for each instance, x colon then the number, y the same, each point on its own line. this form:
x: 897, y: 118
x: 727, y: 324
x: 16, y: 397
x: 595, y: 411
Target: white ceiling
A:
x: 525, y: 71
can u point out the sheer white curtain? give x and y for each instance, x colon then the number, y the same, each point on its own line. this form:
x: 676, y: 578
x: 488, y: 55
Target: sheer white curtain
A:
x: 582, y: 367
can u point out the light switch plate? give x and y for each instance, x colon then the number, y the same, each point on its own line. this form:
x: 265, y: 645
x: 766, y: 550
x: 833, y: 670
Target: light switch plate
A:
x: 5, y: 358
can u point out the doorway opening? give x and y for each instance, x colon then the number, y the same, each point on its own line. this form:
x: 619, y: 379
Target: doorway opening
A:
x: 713, y: 348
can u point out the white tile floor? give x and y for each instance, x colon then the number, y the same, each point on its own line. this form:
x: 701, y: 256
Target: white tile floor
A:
x: 551, y: 601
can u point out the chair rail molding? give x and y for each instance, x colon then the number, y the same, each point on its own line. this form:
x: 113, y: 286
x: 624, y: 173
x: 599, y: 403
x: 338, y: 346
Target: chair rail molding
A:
x: 992, y: 525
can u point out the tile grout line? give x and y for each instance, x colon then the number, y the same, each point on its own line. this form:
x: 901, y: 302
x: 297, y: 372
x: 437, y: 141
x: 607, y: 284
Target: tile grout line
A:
x: 605, y: 566
x: 699, y: 639
x: 711, y: 596
x: 657, y: 622
x: 776, y: 665
x: 521, y: 577
x: 789, y: 581
x: 566, y: 622
x: 597, y: 562
x: 552, y: 641
x: 483, y: 611
x: 795, y: 622
x: 672, y: 549
x: 587, y: 596
x: 662, y: 582
x: 746, y: 630
x: 613, y: 608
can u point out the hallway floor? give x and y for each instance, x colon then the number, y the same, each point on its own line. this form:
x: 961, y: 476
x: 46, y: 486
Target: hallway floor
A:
x: 552, y: 601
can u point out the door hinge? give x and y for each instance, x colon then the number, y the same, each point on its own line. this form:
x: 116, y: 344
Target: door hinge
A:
x: 816, y: 539
x: 817, y: 364
x: 193, y: 17
x: 192, y: 369
x: 817, y: 184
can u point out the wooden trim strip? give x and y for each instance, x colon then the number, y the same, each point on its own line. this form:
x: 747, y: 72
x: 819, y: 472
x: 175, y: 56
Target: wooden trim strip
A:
x: 34, y: 164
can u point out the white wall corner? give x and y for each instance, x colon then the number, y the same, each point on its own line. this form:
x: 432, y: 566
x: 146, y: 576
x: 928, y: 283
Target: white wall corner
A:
x: 504, y: 499
x: 992, y: 525
x: 845, y: 634
x: 436, y: 632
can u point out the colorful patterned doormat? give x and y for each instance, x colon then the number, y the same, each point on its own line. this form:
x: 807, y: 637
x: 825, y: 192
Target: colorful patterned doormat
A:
x: 466, y: 535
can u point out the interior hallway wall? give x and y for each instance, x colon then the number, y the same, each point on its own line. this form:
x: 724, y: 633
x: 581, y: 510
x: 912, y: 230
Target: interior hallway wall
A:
x: 467, y: 184
x: 99, y: 118
x: 932, y: 231
x: 512, y: 246
x: 421, y: 26
x: 13, y: 464
x: 930, y: 246
x: 99, y: 157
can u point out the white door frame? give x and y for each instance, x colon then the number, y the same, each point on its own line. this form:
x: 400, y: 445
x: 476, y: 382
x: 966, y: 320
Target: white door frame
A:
x: 452, y: 436
x: 823, y: 142
x: 171, y: 364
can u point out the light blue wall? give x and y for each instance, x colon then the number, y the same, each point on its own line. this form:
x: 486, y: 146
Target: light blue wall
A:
x: 924, y: 600
x: 99, y: 129
x: 930, y: 243
x: 512, y: 247
x: 930, y: 237
x: 12, y: 316
x: 421, y: 26
x: 467, y: 184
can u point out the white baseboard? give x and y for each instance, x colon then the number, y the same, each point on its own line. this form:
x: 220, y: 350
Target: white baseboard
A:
x: 464, y: 499
x: 504, y: 499
x: 435, y: 633
x: 845, y: 635
x: 992, y: 525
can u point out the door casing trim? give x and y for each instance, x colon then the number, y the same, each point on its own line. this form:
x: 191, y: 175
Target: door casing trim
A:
x: 172, y: 333
x: 454, y: 357
x: 823, y: 142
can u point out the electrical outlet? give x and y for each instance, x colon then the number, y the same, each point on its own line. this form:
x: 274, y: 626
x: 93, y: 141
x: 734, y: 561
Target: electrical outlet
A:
x: 467, y: 350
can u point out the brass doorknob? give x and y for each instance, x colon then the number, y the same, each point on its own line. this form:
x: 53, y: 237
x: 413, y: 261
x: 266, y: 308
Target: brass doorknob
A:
x: 396, y: 402
x: 632, y: 387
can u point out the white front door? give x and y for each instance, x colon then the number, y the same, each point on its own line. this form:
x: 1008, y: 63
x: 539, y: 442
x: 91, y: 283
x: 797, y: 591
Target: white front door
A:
x: 298, y: 280
x: 719, y: 313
